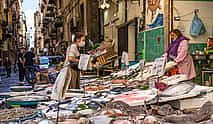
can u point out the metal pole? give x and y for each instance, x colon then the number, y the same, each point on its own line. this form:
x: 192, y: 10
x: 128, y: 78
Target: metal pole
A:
x: 57, y: 117
x: 125, y: 11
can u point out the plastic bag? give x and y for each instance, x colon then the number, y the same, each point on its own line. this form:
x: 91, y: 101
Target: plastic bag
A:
x: 197, y: 27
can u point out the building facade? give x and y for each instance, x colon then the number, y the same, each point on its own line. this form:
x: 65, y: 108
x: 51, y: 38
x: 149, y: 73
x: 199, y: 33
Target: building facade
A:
x: 121, y: 24
x: 37, y: 33
x: 45, y: 31
x: 12, y: 27
x: 60, y: 19
x: 22, y: 31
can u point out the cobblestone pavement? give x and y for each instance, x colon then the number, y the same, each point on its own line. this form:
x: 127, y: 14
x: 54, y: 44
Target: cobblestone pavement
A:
x: 6, y: 83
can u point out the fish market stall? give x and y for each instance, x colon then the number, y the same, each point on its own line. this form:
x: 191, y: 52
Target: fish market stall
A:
x: 124, y: 96
x: 135, y: 95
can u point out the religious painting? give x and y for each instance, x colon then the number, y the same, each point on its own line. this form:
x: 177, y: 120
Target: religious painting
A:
x: 154, y: 13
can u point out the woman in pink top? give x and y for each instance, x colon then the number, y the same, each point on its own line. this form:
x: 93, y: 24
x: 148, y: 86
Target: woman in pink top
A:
x: 178, y: 52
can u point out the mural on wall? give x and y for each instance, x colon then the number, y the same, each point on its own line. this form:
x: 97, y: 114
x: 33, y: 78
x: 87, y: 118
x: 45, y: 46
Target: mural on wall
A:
x: 154, y: 13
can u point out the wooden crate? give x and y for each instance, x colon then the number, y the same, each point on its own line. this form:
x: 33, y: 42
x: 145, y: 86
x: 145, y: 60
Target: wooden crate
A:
x: 107, y: 57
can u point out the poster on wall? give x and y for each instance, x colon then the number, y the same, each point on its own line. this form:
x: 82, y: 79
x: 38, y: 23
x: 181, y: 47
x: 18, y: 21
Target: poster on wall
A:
x: 154, y: 13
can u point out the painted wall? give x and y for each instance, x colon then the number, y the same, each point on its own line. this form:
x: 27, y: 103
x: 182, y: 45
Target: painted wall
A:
x: 186, y: 8
x: 150, y: 44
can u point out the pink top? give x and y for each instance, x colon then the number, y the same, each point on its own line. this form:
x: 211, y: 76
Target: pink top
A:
x: 182, y: 51
x: 184, y: 61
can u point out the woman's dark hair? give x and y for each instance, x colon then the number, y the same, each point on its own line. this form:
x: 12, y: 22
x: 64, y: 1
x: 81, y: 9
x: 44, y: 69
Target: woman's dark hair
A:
x: 78, y: 35
x: 177, y: 32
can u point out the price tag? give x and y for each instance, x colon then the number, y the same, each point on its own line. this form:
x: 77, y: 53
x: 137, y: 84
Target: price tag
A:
x: 124, y: 58
x: 158, y: 67
x: 142, y: 64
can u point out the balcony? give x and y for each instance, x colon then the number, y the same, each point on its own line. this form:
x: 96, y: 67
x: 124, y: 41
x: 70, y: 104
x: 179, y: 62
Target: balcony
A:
x: 52, y: 28
x: 50, y: 14
x: 45, y: 22
x: 46, y: 42
x: 51, y: 1
x: 52, y: 36
x: 43, y: 30
x: 50, y: 7
x: 14, y: 17
x: 46, y: 37
x: 48, y: 18
x: 4, y: 23
x: 11, y: 1
x: 42, y: 8
x: 10, y: 29
x: 58, y: 22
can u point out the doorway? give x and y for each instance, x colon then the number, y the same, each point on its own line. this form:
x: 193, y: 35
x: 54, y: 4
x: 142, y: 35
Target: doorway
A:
x: 127, y: 35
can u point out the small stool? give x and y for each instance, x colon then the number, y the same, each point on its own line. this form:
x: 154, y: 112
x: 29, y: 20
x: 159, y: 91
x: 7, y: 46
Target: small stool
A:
x: 207, y: 71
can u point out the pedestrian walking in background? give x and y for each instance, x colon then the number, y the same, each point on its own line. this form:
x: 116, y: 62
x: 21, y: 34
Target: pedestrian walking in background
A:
x: 29, y: 58
x: 21, y: 65
x: 7, y: 64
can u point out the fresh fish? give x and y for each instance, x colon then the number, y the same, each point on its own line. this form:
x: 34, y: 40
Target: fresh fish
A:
x: 179, y: 89
x: 175, y: 79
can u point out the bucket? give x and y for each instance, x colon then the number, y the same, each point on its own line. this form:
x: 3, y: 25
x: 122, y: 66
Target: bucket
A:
x: 133, y: 63
x: 123, y: 66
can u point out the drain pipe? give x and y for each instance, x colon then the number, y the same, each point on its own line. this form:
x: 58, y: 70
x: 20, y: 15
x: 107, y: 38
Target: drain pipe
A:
x: 125, y: 10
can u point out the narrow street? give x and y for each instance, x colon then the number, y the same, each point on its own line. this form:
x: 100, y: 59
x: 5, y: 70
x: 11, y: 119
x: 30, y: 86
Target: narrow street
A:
x: 6, y: 83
